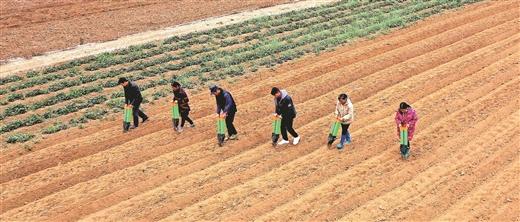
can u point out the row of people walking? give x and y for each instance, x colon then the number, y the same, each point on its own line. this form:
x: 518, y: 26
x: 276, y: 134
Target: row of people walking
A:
x: 284, y: 108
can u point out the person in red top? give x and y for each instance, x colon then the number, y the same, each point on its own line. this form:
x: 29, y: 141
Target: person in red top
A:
x: 406, y: 116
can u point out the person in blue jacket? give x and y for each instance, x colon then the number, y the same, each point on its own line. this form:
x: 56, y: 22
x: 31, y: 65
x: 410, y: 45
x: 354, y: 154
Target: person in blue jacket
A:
x: 227, y: 107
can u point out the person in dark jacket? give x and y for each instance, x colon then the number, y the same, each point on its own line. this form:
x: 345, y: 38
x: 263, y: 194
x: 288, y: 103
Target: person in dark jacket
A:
x: 226, y: 106
x: 182, y: 99
x: 284, y: 107
x: 133, y: 97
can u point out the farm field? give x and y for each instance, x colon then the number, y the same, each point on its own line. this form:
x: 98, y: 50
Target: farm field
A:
x: 456, y: 62
x: 34, y: 27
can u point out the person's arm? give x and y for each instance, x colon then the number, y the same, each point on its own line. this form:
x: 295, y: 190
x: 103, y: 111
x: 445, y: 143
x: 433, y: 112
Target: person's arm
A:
x: 414, y: 119
x: 127, y: 100
x: 397, y: 118
x: 289, y: 103
x: 290, y: 106
x: 336, y: 110
x: 229, y: 102
x: 398, y: 123
x: 283, y: 105
x: 133, y: 92
x: 184, y: 97
x: 276, y: 107
x: 178, y: 96
x: 219, y: 109
x: 411, y: 125
x: 350, y: 111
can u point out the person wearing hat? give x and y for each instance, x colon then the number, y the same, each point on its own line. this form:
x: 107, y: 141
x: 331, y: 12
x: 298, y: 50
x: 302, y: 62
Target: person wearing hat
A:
x: 226, y: 106
x: 284, y: 107
x: 133, y: 97
x: 182, y: 99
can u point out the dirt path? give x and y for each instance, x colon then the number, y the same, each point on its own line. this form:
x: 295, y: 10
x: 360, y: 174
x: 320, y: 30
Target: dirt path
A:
x: 133, y: 17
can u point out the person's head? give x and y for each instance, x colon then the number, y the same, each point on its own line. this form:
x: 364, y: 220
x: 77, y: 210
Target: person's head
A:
x: 276, y: 92
x: 403, y: 107
x: 342, y: 98
x: 176, y: 86
x: 123, y: 81
x: 215, y: 90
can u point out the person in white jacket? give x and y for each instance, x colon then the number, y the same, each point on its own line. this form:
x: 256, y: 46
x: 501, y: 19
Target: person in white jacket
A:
x: 345, y: 113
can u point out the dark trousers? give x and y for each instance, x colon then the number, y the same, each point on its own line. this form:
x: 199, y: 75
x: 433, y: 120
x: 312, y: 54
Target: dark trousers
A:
x: 185, y: 117
x: 344, y: 129
x: 345, y: 134
x: 287, y: 125
x: 229, y: 124
x: 137, y: 113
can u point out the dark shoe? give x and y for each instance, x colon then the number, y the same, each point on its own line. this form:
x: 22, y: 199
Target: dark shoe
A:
x: 145, y: 119
x: 330, y: 140
x: 405, y: 151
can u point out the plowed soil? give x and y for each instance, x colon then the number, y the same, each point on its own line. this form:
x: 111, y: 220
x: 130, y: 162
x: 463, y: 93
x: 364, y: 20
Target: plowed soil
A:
x: 459, y: 71
x: 29, y: 28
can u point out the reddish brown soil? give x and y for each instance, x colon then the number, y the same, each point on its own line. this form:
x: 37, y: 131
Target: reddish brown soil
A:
x: 29, y: 28
x: 459, y: 70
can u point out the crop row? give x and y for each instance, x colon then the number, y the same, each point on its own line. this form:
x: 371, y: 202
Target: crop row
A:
x: 139, y: 66
x: 34, y: 119
x: 136, y: 52
x: 21, y: 108
x: 133, y: 53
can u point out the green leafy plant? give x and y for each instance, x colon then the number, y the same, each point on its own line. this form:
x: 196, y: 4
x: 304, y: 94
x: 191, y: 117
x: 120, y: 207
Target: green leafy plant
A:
x: 8, y: 79
x: 19, y: 138
x: 36, y: 92
x: 16, y: 110
x: 95, y: 114
x: 29, y: 121
x: 55, y: 127
x: 14, y: 96
x: 159, y: 94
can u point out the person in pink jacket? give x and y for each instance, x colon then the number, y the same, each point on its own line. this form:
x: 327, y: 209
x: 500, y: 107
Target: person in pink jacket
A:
x: 406, y: 116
